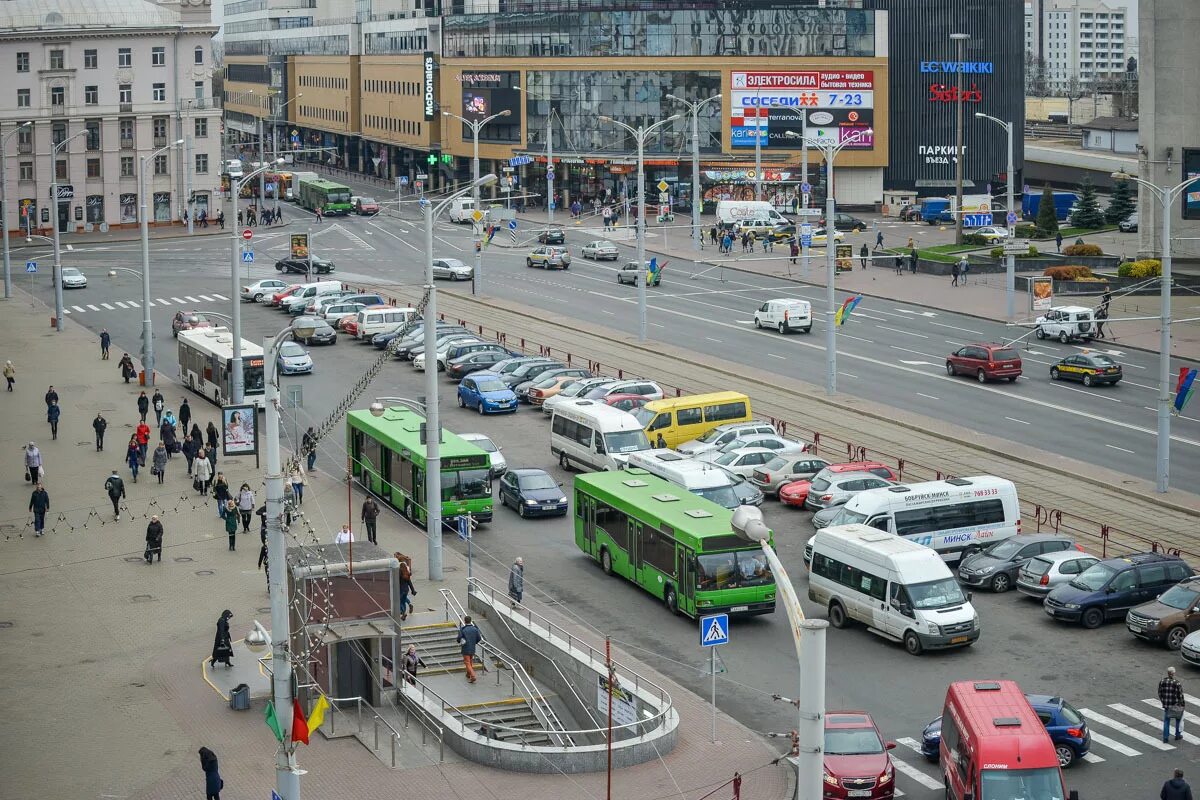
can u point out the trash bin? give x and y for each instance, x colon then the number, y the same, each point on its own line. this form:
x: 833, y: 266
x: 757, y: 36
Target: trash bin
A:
x: 239, y: 698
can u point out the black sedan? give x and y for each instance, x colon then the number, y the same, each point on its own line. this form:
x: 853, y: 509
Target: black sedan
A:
x: 322, y: 332
x: 532, y: 493
x: 300, y: 265
x: 552, y: 236
x: 1088, y: 368
x: 474, y: 362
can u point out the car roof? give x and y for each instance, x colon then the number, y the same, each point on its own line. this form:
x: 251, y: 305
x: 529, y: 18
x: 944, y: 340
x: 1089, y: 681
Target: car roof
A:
x: 1044, y: 701
x: 474, y: 437
x: 786, y: 300
x: 1064, y: 555
x: 855, y: 466
x: 1136, y: 559
x: 741, y: 451
x: 843, y: 476
x: 848, y: 719
x: 527, y: 471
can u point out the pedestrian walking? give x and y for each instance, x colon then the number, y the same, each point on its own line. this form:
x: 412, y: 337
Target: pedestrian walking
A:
x: 189, y: 449
x: 221, y: 219
x: 231, y: 522
x: 1170, y: 694
x: 912, y: 261
x: 211, y: 454
x: 39, y: 504
x: 212, y: 777
x: 412, y: 662
x: 264, y: 562
x: 297, y: 481
x: 185, y: 415
x: 278, y: 217
x: 864, y: 255
x: 878, y: 239
x: 899, y: 264
x: 795, y: 250
x: 220, y: 491
x: 51, y: 397
x: 158, y: 404
x: 1101, y: 314
x: 154, y: 540
x: 964, y: 266
x: 158, y: 463
x: 53, y: 412
x: 116, y: 492
x: 516, y: 581
x: 712, y: 234
x: 197, y: 436
x: 212, y: 436
x: 245, y: 506
x: 469, y: 636
x: 223, y: 645
x: 166, y: 436
x: 1058, y: 241
x: 143, y: 406
x: 99, y: 425
x: 309, y: 447
x: 10, y: 374
x: 370, y: 516
x: 1176, y: 788
x: 105, y: 343
x: 33, y: 463
x: 126, y: 365
x: 168, y: 418
x: 133, y: 456
x: 344, y: 536
x: 202, y: 470
x: 142, y: 432
x: 405, y: 589
x: 954, y: 270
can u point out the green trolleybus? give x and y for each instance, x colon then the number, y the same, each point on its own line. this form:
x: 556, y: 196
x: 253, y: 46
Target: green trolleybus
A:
x: 330, y: 197
x: 678, y: 547
x: 388, y: 458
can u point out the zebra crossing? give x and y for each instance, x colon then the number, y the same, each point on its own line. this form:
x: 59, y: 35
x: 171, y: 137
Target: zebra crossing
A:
x: 116, y: 305
x: 1118, y: 730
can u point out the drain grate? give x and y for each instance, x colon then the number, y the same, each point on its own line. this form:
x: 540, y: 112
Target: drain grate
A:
x: 134, y: 559
x: 182, y: 559
x: 142, y: 598
x: 204, y: 572
x: 7, y: 623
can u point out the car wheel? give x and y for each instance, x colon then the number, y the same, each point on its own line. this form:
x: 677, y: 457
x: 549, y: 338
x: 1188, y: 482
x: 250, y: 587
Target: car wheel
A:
x: 1001, y: 583
x: 1087, y: 380
x: 606, y: 561
x: 563, y: 462
x: 1066, y: 755
x: 1039, y: 333
x: 912, y: 643
x: 258, y: 297
x: 520, y: 509
x: 481, y: 411
x: 1092, y: 618
x: 1054, y: 373
x: 671, y: 600
x: 461, y: 403
x: 949, y: 368
x: 981, y: 376
x: 529, y: 262
x: 837, y: 615
x: 1175, y: 637
x: 1062, y: 337
x: 782, y: 328
x: 757, y: 324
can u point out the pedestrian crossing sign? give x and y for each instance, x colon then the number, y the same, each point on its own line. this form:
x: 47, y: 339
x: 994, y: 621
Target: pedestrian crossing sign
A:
x: 31, y: 266
x: 714, y: 630
x: 248, y: 257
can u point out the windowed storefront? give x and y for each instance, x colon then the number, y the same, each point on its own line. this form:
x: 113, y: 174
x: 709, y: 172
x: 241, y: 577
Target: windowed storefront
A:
x: 162, y: 206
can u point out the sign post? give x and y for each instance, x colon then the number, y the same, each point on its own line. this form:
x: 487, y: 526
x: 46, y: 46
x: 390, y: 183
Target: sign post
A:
x: 714, y: 631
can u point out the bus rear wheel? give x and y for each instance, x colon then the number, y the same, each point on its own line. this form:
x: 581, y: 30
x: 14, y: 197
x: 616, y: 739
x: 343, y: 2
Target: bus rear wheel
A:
x: 671, y: 600
x: 837, y: 615
x: 606, y: 561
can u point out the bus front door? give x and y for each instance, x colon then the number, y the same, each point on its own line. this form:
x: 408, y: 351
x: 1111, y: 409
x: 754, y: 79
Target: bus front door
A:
x: 587, y: 510
x: 687, y: 581
x: 385, y: 478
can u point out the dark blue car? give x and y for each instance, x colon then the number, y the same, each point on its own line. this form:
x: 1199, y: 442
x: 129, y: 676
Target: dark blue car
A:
x: 532, y: 493
x: 1066, y: 726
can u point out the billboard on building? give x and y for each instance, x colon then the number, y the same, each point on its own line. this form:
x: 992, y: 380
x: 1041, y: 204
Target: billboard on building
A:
x: 1191, y: 171
x: 773, y: 107
x: 489, y: 92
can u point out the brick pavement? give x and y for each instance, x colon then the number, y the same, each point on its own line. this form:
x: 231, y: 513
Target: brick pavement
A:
x: 100, y: 654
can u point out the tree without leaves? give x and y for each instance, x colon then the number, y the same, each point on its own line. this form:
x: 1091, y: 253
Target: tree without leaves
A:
x: 1047, y: 219
x: 1087, y: 207
x: 1121, y: 205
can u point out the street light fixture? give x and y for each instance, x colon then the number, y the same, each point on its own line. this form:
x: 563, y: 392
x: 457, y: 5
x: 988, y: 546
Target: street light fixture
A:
x: 1010, y: 270
x: 694, y: 110
x: 641, y: 134
x: 58, y: 289
x: 144, y: 225
x: 4, y: 203
x: 959, y: 40
x: 476, y: 126
x: 275, y: 139
x: 1167, y: 198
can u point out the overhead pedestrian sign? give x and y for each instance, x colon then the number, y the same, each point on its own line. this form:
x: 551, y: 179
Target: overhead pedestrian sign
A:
x: 31, y: 267
x: 247, y: 256
x: 714, y: 630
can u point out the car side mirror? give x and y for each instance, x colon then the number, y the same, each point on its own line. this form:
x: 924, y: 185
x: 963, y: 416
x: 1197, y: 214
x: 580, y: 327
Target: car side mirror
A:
x: 889, y: 745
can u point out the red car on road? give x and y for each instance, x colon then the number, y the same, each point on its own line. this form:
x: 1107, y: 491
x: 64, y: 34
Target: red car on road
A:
x: 796, y: 492
x: 985, y: 362
x: 857, y: 763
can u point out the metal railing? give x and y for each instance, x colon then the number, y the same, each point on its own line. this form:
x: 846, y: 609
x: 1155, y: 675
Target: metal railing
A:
x: 393, y: 734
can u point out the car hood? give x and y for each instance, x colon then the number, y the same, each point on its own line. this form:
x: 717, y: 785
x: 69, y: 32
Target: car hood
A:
x: 297, y: 359
x: 856, y: 766
x: 822, y: 518
x: 1066, y: 593
x: 543, y: 495
x: 1156, y: 610
x: 796, y: 487
x: 499, y: 394
x: 982, y: 560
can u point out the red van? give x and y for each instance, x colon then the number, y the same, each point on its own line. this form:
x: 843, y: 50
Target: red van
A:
x: 994, y: 745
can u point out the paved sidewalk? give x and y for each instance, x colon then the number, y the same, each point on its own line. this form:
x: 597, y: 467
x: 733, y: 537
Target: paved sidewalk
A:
x: 103, y: 651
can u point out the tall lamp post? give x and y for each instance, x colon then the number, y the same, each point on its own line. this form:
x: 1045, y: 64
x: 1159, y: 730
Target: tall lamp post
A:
x: 694, y: 110
x: 1166, y: 197
x: 58, y: 289
x: 238, y: 384
x: 549, y: 152
x: 4, y: 204
x: 1010, y: 270
x: 959, y: 40
x: 476, y: 126
x: 275, y: 138
x: 433, y: 425
x: 144, y: 226
x: 640, y: 135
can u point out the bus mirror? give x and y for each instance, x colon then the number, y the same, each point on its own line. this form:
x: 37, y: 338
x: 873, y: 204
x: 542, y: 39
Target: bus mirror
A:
x: 747, y: 522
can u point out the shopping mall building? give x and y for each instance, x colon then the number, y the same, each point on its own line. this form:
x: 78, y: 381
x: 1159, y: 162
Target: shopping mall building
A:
x: 366, y: 92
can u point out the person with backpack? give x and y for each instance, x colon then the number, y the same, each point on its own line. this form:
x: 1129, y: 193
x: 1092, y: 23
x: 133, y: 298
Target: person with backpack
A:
x: 158, y: 403
x: 10, y: 374
x: 405, y: 587
x: 115, y: 487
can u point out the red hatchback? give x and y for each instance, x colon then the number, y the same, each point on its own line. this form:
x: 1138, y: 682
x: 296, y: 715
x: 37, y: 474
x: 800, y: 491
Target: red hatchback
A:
x: 796, y: 492
x: 857, y: 763
x: 985, y: 361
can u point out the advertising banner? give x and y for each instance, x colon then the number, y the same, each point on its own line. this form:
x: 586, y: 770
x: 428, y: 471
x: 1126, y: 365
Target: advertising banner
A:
x: 767, y: 106
x: 1191, y: 170
x: 427, y: 88
x: 485, y: 93
x: 1041, y: 293
x: 774, y: 126
x: 299, y: 245
x: 239, y: 430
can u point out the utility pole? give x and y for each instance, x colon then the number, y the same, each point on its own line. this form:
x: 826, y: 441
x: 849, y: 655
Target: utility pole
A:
x: 959, y: 162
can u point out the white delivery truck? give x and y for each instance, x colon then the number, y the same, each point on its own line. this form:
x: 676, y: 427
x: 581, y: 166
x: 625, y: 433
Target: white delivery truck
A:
x: 897, y: 588
x: 734, y: 211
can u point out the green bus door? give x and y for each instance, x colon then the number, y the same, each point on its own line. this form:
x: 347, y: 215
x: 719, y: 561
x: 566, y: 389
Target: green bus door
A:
x: 687, y: 581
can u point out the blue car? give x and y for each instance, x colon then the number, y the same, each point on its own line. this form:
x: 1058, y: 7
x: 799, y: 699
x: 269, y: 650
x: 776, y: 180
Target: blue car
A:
x: 486, y: 393
x: 1066, y: 726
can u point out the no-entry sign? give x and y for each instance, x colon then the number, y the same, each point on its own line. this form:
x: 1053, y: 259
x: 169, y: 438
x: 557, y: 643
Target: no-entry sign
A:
x: 247, y: 234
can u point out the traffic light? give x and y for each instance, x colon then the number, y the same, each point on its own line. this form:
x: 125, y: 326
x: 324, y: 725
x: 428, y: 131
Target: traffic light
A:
x: 432, y: 159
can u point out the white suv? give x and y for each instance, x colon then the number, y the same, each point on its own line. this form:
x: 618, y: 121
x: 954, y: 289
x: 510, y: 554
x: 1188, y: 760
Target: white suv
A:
x: 1066, y: 323
x: 785, y: 315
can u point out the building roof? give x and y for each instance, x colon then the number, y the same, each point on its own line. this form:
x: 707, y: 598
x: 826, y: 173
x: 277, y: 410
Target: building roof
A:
x: 70, y: 14
x: 1111, y: 124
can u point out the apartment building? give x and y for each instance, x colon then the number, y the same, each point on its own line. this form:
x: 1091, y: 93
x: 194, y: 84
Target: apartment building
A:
x: 1077, y: 42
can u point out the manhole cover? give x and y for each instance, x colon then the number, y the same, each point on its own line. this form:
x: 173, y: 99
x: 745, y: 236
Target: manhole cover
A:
x: 450, y: 569
x: 266, y: 610
x: 142, y: 598
x: 204, y: 572
x: 83, y: 443
x: 133, y: 559
x: 6, y: 623
x: 182, y: 559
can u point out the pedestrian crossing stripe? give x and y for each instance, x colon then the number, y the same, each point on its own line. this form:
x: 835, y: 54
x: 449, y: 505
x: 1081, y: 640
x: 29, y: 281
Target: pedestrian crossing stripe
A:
x: 114, y: 305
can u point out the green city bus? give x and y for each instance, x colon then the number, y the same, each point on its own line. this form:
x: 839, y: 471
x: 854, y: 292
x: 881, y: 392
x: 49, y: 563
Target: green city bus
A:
x: 330, y: 197
x: 388, y: 458
x: 677, y: 546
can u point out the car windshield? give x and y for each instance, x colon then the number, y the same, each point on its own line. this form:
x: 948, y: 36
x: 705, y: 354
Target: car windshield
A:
x: 531, y: 482
x: 525, y: 369
x: 724, y: 496
x: 490, y: 385
x: 733, y: 570
x: 626, y: 441
x: 1071, y: 714
x: 573, y: 388
x: 643, y: 415
x: 1094, y: 577
x: 936, y: 594
x: 466, y: 484
x: 1181, y: 597
x: 852, y: 741
x: 71, y: 271
x: 1020, y: 784
x: 1003, y: 550
x: 728, y: 458
x: 847, y: 517
x: 545, y: 383
x: 1007, y: 354
x: 366, y: 201
x: 711, y: 436
x: 291, y: 349
x: 485, y: 444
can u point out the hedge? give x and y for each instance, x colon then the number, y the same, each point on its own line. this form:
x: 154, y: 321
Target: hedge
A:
x: 1083, y: 250
x: 1068, y: 272
x: 1146, y: 268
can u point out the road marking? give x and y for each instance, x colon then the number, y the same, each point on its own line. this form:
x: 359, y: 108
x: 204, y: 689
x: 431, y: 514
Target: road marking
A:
x: 711, y: 339
x: 745, y: 322
x: 1187, y: 715
x: 956, y: 328
x: 191, y: 299
x: 1111, y: 744
x: 92, y: 307
x: 655, y: 324
x: 897, y: 330
x: 916, y: 774
x: 847, y: 336
x: 914, y: 352
x: 162, y: 302
x: 918, y: 363
x: 1122, y: 449
x: 1153, y: 722
x: 1014, y: 419
x: 911, y: 744
x: 81, y: 310
x: 177, y: 300
x: 914, y: 313
x: 120, y: 304
x: 1092, y: 758
x: 206, y: 298
x: 66, y: 311
x: 1082, y: 391
x: 606, y: 311
x: 1093, y: 717
x: 773, y: 355
x: 220, y: 296
x: 402, y: 241
x: 931, y: 397
x: 847, y: 374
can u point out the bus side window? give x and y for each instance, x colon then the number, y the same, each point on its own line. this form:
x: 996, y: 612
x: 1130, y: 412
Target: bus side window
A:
x: 600, y: 443
x: 879, y: 523
x: 661, y: 421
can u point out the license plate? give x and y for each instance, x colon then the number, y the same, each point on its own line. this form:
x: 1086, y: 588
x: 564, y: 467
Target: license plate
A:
x: 959, y: 639
x: 859, y: 793
x: 744, y: 608
x: 1111, y: 371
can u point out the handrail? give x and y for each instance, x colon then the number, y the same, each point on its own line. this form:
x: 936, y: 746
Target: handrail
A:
x: 376, y: 719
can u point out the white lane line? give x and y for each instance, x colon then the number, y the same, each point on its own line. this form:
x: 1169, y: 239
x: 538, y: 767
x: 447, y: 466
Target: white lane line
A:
x: 80, y: 309
x: 865, y: 315
x: 191, y: 299
x: 1014, y: 419
x: 177, y: 300
x: 1153, y: 722
x: 606, y: 311
x: 120, y: 304
x: 897, y: 330
x: 841, y: 335
x: 1109, y: 722
x: 916, y: 774
x: 402, y: 241
x: 1122, y: 449
x: 108, y: 307
x: 711, y: 339
x: 66, y: 311
x: 1148, y: 408
x: 910, y: 743
x: 220, y: 296
x: 448, y: 244
x: 931, y: 397
x: 914, y: 352
x: 1113, y: 745
x: 1092, y: 758
x: 847, y: 374
x: 656, y: 324
x: 162, y: 302
x: 92, y: 307
x: 956, y: 328
x: 774, y: 355
x: 1083, y: 391
x: 206, y: 298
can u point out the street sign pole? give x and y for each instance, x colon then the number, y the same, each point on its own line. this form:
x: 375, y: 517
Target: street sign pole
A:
x: 714, y: 631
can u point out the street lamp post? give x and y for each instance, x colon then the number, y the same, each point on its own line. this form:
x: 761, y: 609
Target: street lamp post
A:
x: 58, y: 289
x: 144, y: 225
x: 4, y: 205
x: 275, y: 140
x: 1010, y: 270
x: 476, y: 126
x: 433, y: 426
x: 549, y: 152
x: 1166, y: 197
x: 640, y: 135
x: 959, y: 40
x: 694, y: 110
x: 237, y: 382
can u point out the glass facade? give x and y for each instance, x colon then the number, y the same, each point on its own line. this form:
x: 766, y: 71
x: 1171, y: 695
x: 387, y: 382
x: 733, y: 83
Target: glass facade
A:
x: 791, y: 32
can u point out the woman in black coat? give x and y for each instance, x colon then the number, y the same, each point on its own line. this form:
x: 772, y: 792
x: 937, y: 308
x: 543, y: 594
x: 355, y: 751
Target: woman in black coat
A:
x: 154, y: 541
x: 168, y: 436
x: 212, y: 777
x: 222, y: 645
x: 213, y: 441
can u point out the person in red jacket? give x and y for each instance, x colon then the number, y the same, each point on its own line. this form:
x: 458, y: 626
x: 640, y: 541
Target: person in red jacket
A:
x: 143, y: 439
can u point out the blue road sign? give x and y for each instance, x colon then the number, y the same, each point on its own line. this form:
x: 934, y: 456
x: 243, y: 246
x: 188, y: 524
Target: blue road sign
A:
x: 520, y: 161
x: 464, y: 531
x: 31, y: 266
x: 275, y: 795
x: 248, y: 257
x: 512, y: 224
x: 806, y: 241
x: 550, y: 173
x: 977, y: 220
x: 1012, y: 218
x: 714, y: 630
x: 404, y: 180
x: 806, y: 188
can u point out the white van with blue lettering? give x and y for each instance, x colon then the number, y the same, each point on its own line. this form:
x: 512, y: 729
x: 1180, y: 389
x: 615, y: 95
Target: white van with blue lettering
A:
x: 954, y: 517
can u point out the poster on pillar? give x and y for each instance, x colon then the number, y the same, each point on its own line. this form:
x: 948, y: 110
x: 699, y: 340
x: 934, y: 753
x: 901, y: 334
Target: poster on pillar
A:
x: 772, y: 107
x: 488, y: 93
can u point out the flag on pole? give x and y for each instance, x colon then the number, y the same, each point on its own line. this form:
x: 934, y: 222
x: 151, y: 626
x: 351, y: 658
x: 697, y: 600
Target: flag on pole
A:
x: 299, y: 723
x: 843, y: 313
x: 318, y: 714
x: 1184, y: 388
x: 273, y: 721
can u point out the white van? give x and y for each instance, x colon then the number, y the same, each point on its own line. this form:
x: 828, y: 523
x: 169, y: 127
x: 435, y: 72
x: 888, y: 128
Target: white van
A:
x: 706, y: 480
x: 897, y: 588
x: 954, y: 517
x: 380, y: 320
x: 736, y: 210
x: 310, y: 291
x: 594, y: 436
x: 461, y: 209
x: 785, y: 314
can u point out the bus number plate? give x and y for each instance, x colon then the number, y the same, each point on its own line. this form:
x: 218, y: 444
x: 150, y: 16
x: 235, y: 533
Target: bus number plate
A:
x: 740, y: 608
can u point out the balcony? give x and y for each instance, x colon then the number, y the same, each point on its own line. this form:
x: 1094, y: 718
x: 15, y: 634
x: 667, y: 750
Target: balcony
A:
x: 24, y: 148
x: 128, y: 143
x: 160, y: 141
x: 58, y: 109
x: 125, y: 108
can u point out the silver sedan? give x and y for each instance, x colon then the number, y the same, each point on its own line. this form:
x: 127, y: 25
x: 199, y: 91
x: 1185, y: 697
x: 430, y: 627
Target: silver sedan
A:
x: 600, y: 251
x: 452, y: 269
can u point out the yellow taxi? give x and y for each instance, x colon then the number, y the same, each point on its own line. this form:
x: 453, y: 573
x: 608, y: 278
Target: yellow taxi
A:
x: 1088, y: 368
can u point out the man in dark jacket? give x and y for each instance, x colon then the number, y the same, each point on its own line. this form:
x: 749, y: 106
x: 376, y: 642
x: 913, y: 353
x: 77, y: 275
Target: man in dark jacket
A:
x: 189, y: 448
x: 370, y: 515
x: 154, y: 539
x: 39, y: 504
x: 470, y: 636
x: 116, y: 491
x: 99, y: 425
x: 53, y: 412
x: 105, y: 343
x: 159, y: 404
x: 143, y: 404
x: 1176, y: 788
x: 185, y: 415
x: 51, y: 397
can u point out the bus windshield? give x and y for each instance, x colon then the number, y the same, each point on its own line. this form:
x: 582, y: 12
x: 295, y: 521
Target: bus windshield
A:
x: 732, y: 570
x: 252, y: 375
x: 467, y: 484
x: 936, y: 594
x: 626, y: 441
x: 1020, y: 784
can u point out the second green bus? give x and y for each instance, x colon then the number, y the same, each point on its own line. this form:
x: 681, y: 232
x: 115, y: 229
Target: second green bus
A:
x: 330, y: 197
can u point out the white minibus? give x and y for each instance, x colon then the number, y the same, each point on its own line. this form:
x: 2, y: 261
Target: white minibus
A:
x: 698, y: 477
x: 594, y: 436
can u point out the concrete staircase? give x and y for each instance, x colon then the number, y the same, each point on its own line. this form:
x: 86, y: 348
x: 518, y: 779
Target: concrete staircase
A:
x: 513, y: 712
x: 436, y: 646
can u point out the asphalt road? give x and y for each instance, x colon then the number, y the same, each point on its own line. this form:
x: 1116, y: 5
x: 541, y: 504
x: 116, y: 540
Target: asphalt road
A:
x: 1105, y: 671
